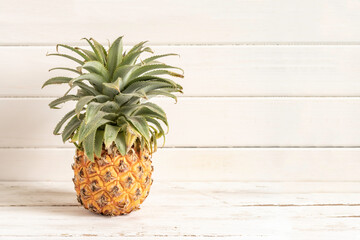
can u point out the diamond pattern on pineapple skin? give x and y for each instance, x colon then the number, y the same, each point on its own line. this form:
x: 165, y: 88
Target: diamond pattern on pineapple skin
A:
x: 110, y: 210
x: 96, y: 184
x: 108, y: 174
x: 114, y: 189
x: 127, y: 180
x: 92, y: 206
x: 81, y: 174
x: 121, y: 165
x: 104, y: 161
x: 135, y: 191
x: 123, y: 201
x: 91, y: 168
x: 132, y: 157
x: 85, y: 192
x: 102, y: 199
x: 113, y: 184
x: 138, y: 170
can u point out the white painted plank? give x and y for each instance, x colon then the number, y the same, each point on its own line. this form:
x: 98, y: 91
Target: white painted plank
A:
x: 86, y: 237
x: 213, y: 70
x: 52, y: 194
x: 203, y: 21
x: 196, y: 194
x: 200, y: 164
x: 200, y: 218
x: 210, y: 122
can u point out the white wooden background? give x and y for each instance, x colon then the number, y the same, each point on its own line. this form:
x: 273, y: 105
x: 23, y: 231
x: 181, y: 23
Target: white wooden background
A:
x: 272, y: 88
x: 264, y: 144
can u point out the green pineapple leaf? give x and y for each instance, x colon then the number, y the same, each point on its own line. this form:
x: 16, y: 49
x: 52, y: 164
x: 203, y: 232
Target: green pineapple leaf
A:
x: 68, y: 57
x: 163, y: 72
x: 157, y: 125
x: 113, y: 89
x: 121, y: 143
x: 61, y: 100
x: 94, y: 79
x: 99, y: 138
x: 62, y: 121
x: 153, y: 58
x: 114, y: 85
x: 88, y: 89
x: 56, y: 80
x: 89, y: 146
x: 151, y: 110
x: 121, y: 71
x: 81, y: 104
x: 92, y: 125
x: 110, y: 134
x: 67, y: 69
x: 97, y: 68
x: 95, y: 50
x: 148, y: 68
x: 70, y: 128
x: 92, y: 110
x: 86, y: 58
x: 91, y: 55
x: 101, y: 50
x: 161, y: 92
x: 115, y: 55
x: 140, y: 125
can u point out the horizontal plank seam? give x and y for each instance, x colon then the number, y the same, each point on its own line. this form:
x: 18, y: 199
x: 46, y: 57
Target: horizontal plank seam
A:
x: 236, y: 205
x: 259, y: 43
x: 135, y: 236
x: 301, y: 205
x: 202, y: 147
x: 202, y: 97
x: 349, y: 216
x: 182, y: 181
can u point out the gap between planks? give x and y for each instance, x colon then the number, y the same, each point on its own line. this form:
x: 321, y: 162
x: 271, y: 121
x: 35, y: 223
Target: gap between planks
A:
x: 245, y: 206
x: 206, y: 44
x: 202, y: 147
x: 204, y: 97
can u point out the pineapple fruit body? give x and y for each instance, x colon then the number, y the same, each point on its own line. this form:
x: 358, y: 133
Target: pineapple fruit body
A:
x: 112, y: 184
x: 114, y: 125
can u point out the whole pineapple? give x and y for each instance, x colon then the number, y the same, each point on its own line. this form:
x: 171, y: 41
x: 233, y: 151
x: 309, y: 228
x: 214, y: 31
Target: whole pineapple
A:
x: 113, y: 125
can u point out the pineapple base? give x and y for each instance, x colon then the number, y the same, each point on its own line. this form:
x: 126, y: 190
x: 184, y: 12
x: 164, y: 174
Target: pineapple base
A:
x: 113, y: 184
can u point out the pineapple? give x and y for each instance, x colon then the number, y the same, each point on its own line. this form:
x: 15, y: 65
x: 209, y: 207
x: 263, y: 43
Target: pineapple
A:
x: 113, y: 125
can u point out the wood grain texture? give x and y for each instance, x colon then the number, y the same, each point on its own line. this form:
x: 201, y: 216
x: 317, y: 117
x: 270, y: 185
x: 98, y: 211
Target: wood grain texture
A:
x: 189, y: 210
x: 212, y: 70
x: 210, y: 122
x: 180, y: 22
x: 196, y: 194
x: 200, y: 164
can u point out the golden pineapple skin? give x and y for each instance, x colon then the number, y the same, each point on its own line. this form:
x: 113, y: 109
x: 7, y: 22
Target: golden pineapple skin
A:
x: 113, y: 184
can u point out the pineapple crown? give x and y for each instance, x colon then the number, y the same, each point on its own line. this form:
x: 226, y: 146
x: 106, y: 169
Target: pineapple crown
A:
x: 113, y: 91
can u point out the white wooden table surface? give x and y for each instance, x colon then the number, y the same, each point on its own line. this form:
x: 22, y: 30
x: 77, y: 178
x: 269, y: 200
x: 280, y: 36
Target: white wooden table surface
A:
x: 188, y: 210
